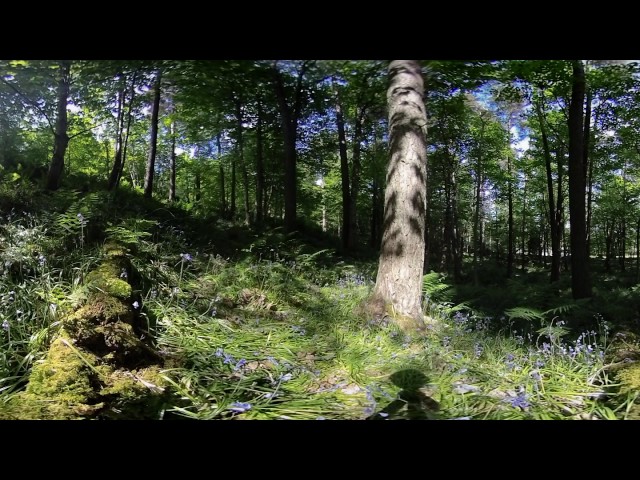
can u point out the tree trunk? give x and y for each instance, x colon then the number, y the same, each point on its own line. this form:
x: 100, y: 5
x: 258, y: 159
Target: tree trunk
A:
x: 638, y: 251
x: 344, y: 177
x: 172, y: 166
x: 132, y: 93
x: 587, y: 165
x: 580, y: 276
x: 355, y: 182
x: 476, y: 213
x: 259, y: 168
x: 524, y: 213
x: 117, y: 161
x: 223, y: 198
x: 243, y: 166
x: 151, y: 160
x: 61, y: 139
x: 289, y: 117
x: 510, y: 247
x: 399, y: 281
x: 198, y: 177
x: 555, y: 210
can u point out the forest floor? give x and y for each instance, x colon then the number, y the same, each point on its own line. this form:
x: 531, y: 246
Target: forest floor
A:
x: 267, y: 325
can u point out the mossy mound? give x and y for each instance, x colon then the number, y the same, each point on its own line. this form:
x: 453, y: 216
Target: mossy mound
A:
x: 98, y: 366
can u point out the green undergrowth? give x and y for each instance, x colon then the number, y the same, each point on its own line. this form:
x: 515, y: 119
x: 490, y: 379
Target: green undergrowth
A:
x: 270, y: 326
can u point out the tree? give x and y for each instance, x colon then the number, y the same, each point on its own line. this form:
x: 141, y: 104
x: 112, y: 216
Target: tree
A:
x: 290, y: 114
x: 580, y: 276
x: 151, y: 161
x: 399, y: 281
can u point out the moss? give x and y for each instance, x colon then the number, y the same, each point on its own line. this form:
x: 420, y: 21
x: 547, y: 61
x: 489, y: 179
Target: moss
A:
x: 629, y: 378
x: 114, y: 250
x: 85, y: 373
x: 106, y: 278
x: 60, y: 387
x: 135, y: 394
x: 102, y: 308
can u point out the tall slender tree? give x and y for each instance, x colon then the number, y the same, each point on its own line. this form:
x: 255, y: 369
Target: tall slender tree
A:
x: 398, y: 286
x: 151, y: 160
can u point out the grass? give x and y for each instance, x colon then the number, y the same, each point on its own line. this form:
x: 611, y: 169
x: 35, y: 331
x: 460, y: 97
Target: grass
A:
x: 268, y: 326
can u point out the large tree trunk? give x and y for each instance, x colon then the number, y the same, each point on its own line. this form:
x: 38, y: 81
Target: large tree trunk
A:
x: 399, y: 281
x: 61, y: 139
x: 580, y: 275
x: 151, y: 160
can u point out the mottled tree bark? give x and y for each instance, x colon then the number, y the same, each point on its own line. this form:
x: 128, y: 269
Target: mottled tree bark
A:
x: 399, y: 280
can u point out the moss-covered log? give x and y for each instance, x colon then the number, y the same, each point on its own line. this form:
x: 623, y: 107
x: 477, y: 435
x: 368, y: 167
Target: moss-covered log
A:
x: 98, y: 365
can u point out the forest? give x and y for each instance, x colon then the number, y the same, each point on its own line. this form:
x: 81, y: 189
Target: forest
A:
x: 319, y: 239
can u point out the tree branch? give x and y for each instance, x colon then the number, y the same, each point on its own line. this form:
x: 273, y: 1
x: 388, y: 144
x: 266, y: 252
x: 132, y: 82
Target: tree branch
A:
x: 29, y: 102
x: 86, y: 130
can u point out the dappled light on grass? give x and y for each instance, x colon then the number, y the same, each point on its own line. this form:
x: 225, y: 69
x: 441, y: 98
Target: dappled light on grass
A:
x: 277, y: 332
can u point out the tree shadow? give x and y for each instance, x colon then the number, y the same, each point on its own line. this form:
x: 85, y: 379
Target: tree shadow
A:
x: 412, y: 402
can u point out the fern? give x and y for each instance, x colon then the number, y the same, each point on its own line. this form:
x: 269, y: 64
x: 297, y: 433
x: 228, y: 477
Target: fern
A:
x: 560, y: 310
x: 524, y: 313
x: 434, y: 289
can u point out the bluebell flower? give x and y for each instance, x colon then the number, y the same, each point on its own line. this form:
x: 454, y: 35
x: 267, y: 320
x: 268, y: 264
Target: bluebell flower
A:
x: 240, y: 363
x: 240, y: 407
x: 5, y: 325
x: 520, y: 401
x: 286, y: 377
x: 383, y: 414
x: 136, y: 304
x: 219, y: 352
x: 228, y: 358
x: 186, y: 257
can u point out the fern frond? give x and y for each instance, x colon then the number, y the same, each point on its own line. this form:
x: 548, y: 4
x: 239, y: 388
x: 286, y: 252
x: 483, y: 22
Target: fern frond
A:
x: 524, y: 313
